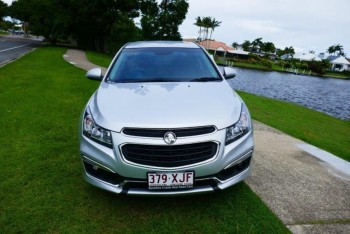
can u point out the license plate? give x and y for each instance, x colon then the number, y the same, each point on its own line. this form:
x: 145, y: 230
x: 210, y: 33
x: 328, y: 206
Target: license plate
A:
x: 170, y: 180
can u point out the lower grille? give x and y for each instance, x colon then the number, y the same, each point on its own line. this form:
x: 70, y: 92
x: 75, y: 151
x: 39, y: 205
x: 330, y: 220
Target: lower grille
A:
x: 169, y: 156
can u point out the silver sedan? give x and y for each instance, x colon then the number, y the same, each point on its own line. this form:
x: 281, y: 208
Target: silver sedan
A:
x: 164, y: 121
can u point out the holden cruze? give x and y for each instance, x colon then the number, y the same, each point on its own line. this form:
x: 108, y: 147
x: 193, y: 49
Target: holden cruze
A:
x: 164, y: 121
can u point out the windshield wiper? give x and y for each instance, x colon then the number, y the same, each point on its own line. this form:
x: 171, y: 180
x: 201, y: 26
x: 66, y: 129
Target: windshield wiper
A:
x: 205, y: 79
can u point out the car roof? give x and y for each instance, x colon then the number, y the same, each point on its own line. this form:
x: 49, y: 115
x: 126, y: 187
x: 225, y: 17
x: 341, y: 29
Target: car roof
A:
x: 164, y: 44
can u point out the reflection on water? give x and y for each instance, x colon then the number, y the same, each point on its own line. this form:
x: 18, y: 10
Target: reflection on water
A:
x: 331, y: 96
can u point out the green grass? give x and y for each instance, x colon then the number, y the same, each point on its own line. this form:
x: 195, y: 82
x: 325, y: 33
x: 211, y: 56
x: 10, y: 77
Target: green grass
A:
x: 41, y: 185
x: 337, y: 75
x: 278, y: 68
x: 100, y: 59
x: 311, y: 126
x: 251, y: 66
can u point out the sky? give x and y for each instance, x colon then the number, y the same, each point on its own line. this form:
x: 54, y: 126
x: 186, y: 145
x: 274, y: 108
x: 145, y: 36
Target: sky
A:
x: 304, y: 24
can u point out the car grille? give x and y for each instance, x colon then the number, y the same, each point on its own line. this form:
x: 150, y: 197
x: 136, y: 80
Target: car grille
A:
x: 169, y: 156
x: 179, y: 132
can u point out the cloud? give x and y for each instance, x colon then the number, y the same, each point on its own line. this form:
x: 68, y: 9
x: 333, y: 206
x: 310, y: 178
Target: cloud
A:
x: 312, y: 24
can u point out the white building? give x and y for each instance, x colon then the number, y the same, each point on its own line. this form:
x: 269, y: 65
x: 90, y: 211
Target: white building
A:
x: 339, y: 63
x: 307, y: 57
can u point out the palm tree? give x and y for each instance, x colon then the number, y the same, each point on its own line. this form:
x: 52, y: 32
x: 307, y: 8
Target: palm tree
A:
x: 245, y: 45
x: 331, y: 50
x: 213, y: 24
x: 206, y: 24
x: 289, y: 51
x: 199, y: 24
x: 340, y: 49
x: 257, y: 42
x: 268, y: 47
x: 235, y: 45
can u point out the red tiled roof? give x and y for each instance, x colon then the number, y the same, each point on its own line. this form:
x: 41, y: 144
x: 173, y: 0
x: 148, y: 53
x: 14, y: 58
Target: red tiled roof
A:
x: 214, y: 45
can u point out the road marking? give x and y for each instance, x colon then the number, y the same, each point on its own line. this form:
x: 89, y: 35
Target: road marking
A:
x: 14, y: 47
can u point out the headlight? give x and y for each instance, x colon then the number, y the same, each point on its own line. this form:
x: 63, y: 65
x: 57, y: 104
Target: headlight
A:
x: 240, y: 128
x: 94, y: 132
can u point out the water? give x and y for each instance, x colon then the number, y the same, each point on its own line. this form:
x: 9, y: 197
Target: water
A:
x: 330, y: 96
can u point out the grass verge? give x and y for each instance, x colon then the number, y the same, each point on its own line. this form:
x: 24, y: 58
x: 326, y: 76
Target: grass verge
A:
x: 41, y: 184
x: 316, y: 128
x: 100, y: 59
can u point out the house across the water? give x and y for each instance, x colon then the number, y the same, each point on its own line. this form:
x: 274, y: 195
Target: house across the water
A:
x: 219, y: 48
x: 339, y: 63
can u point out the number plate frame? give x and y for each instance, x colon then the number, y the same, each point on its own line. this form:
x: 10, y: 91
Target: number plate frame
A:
x: 174, y: 180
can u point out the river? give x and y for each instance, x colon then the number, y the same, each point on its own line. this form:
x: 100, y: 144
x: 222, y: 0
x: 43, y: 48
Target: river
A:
x: 327, y: 95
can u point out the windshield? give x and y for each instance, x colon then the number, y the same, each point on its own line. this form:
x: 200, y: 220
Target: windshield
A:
x: 163, y: 65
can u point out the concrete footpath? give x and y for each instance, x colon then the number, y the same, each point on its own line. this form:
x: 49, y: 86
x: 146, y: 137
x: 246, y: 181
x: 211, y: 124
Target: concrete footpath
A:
x: 307, y: 188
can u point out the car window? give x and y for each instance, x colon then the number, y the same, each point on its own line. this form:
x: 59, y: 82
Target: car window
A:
x: 162, y: 64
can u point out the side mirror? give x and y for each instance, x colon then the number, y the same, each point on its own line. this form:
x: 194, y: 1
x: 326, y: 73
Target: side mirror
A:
x: 94, y: 74
x: 229, y: 72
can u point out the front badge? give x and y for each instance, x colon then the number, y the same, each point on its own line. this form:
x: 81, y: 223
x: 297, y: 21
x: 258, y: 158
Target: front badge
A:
x: 169, y: 138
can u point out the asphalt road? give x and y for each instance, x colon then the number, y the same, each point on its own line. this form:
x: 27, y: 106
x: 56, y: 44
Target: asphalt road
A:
x: 13, y: 47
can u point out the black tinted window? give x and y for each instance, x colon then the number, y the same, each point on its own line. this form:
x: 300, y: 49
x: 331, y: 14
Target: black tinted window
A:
x: 162, y: 64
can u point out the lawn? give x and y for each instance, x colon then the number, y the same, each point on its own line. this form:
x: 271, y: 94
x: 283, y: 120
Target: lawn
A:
x: 316, y: 128
x: 100, y: 59
x: 41, y: 183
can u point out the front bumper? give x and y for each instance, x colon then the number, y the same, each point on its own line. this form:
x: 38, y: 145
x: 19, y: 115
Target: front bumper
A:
x: 107, y: 168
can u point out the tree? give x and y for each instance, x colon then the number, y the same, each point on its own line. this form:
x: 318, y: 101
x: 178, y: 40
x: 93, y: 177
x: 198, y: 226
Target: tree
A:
x: 257, y: 43
x: 122, y: 31
x: 55, y: 19
x: 289, y: 51
x: 6, y: 25
x: 319, y: 67
x: 97, y: 19
x: 43, y: 17
x: 199, y: 24
x: 245, y: 45
x: 268, y: 47
x: 161, y: 21
x: 206, y: 24
x: 339, y: 48
x: 213, y: 24
x: 3, y: 9
x: 336, y: 48
x: 235, y: 45
x: 331, y: 50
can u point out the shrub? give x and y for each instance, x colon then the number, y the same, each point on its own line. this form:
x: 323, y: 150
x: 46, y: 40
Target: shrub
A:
x: 266, y: 63
x: 254, y: 57
x: 303, y: 66
x: 319, y: 67
x: 288, y: 65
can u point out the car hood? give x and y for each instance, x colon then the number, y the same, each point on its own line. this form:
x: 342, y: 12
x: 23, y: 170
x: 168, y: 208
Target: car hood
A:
x: 165, y: 105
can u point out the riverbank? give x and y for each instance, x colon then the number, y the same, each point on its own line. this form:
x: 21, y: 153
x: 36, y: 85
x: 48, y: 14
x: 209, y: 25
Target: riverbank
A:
x: 277, y: 68
x: 321, y: 94
x: 313, y: 127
